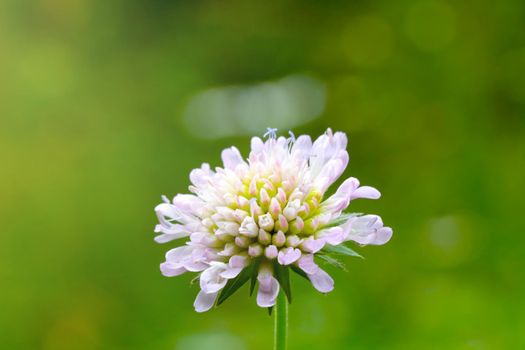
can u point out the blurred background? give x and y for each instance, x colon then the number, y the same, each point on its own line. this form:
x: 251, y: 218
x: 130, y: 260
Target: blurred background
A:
x: 106, y: 105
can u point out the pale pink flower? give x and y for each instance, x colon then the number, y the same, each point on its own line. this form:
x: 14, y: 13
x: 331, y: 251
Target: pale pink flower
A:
x: 255, y: 218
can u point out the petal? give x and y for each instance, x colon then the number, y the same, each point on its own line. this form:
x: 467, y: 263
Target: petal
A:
x: 331, y: 171
x: 268, y: 290
x: 333, y: 235
x: 231, y: 272
x: 301, y: 148
x: 204, y: 301
x: 326, y: 148
x: 231, y: 157
x: 307, y: 264
x: 336, y: 203
x: 192, y: 258
x: 366, y: 192
x: 322, y: 281
x: 383, y: 236
x: 312, y: 245
x: 367, y: 229
x: 288, y: 256
x: 189, y: 204
x: 211, y: 280
x: 236, y: 264
x: 201, y: 176
x: 174, y: 231
x: 171, y: 270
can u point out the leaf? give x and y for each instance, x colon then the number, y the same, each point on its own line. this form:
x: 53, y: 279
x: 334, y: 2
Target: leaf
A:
x: 283, y: 276
x: 236, y: 283
x: 300, y: 272
x: 253, y: 281
x: 341, y: 249
x: 332, y: 261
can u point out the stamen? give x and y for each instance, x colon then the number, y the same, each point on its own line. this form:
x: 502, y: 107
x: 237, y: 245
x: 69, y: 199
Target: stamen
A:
x: 271, y: 133
x: 290, y: 141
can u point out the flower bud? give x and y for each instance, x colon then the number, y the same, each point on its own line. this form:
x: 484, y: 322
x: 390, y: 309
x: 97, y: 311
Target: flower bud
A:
x: 275, y: 208
x: 252, y: 188
x: 264, y: 197
x: 311, y: 225
x: 293, y: 241
x: 264, y: 237
x: 271, y: 252
x: 296, y: 226
x: 281, y: 224
x: 243, y: 203
x: 255, y: 249
x: 281, y: 196
x: 279, y: 239
x: 249, y: 227
x: 255, y: 209
x: 239, y: 215
x: 266, y: 222
x: 242, y: 241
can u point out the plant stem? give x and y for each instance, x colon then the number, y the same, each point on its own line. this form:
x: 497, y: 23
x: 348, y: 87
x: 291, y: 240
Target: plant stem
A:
x: 281, y: 322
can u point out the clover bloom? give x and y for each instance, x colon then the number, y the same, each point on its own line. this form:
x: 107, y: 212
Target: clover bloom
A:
x: 255, y: 219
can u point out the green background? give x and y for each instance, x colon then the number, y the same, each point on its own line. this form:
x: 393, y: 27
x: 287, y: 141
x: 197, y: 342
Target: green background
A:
x: 93, y: 130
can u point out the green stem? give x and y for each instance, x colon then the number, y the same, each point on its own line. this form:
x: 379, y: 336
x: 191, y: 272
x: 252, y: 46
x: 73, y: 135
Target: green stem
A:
x: 281, y: 322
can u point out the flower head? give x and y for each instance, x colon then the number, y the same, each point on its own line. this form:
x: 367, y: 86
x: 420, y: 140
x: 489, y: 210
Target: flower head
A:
x: 255, y: 219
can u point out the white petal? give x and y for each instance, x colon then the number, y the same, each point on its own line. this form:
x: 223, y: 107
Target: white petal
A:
x: 288, y: 256
x: 189, y: 204
x: 333, y: 235
x: 171, y: 270
x: 268, y: 290
x: 201, y: 176
x: 322, y: 281
x: 236, y: 264
x: 338, y: 202
x: 383, y: 236
x: 204, y: 301
x: 211, y: 280
x: 192, y: 258
x: 307, y: 264
x: 367, y: 229
x: 301, y: 148
x: 312, y: 245
x: 366, y: 192
x: 231, y: 158
x: 331, y: 171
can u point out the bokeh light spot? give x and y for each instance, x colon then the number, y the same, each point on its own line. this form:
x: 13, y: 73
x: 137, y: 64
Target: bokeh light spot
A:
x: 248, y: 110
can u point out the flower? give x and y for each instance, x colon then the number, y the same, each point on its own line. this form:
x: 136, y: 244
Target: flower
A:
x: 255, y: 219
